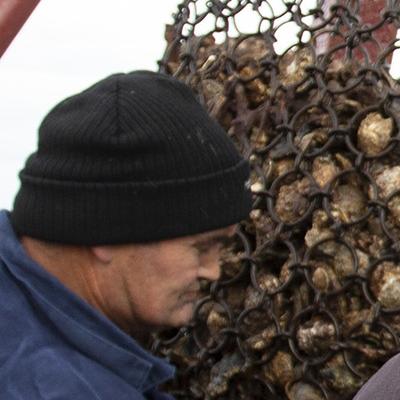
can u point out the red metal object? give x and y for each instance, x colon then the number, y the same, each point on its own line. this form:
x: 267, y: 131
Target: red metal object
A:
x: 369, y: 14
x: 13, y: 14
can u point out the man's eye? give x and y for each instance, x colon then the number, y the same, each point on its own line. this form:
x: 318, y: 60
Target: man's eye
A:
x: 226, y: 241
x: 202, y: 247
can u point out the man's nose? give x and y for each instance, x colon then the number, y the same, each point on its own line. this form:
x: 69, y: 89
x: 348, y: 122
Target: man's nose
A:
x: 211, y: 270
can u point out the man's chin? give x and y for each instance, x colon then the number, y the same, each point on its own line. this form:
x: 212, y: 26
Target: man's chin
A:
x: 179, y: 317
x: 184, y: 316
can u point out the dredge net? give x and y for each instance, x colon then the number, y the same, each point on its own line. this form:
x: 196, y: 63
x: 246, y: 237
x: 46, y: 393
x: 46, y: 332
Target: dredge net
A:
x: 308, y: 304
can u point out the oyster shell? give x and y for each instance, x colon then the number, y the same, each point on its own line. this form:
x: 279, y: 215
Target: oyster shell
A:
x: 324, y: 170
x: 315, y: 335
x: 292, y: 200
x: 374, y: 133
x: 348, y: 203
x: 385, y: 284
x: 222, y: 372
x: 339, y: 377
x: 293, y: 66
x: 303, y: 391
x: 388, y: 182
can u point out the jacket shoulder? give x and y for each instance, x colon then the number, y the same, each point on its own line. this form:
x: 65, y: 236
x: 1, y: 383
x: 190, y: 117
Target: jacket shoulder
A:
x: 384, y: 384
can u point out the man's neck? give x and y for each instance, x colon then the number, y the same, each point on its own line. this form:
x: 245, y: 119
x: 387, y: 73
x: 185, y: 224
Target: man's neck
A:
x: 77, y: 268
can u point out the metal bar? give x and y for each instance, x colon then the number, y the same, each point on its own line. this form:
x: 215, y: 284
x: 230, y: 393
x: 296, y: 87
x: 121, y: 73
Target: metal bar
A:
x: 13, y: 14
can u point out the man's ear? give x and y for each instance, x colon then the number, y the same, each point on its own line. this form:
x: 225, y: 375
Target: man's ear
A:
x: 102, y: 253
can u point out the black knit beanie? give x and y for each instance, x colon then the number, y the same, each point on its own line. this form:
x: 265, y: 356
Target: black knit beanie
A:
x: 134, y: 158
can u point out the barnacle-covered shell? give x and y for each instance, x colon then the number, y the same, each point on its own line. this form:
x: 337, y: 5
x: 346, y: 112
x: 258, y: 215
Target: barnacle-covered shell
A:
x: 257, y: 90
x: 221, y: 373
x: 259, y: 137
x: 231, y: 262
x: 258, y: 186
x: 324, y: 169
x: 341, y: 70
x: 338, y: 376
x: 250, y: 51
x: 263, y: 226
x: 183, y: 352
x: 303, y: 391
x: 292, y: 201
x: 363, y: 262
x: 347, y: 106
x: 343, y: 162
x: 354, y: 320
x: 348, y: 203
x: 365, y: 240
x: 301, y: 297
x: 385, y: 284
x: 320, y: 231
x: 315, y: 335
x: 262, y: 340
x: 253, y: 297
x: 282, y: 368
x: 267, y: 282
x: 293, y: 66
x: 311, y: 140
x: 343, y: 262
x: 323, y: 277
x: 213, y: 92
x: 207, y: 46
x: 235, y: 295
x: 374, y: 133
x: 217, y: 319
x: 388, y: 182
x: 281, y: 167
x: 371, y: 347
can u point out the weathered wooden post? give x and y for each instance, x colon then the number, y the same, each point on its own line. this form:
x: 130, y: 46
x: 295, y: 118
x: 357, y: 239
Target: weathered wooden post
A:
x: 13, y: 14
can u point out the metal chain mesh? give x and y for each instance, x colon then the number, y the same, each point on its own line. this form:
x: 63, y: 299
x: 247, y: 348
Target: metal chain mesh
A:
x: 308, y: 305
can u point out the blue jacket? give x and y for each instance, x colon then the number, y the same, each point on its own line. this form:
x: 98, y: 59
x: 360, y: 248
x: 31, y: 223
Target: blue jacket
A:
x: 55, y: 346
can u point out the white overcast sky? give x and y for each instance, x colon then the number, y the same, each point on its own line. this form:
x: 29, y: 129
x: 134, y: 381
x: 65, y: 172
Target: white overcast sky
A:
x: 65, y: 46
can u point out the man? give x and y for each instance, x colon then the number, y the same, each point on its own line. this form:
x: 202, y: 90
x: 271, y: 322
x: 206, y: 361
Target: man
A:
x: 120, y: 214
x: 384, y: 384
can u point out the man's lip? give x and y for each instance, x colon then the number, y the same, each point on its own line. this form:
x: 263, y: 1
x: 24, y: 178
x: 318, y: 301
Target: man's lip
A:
x: 192, y: 295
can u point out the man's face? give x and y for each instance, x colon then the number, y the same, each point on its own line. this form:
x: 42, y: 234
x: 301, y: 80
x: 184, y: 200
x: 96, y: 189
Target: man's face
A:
x: 158, y: 284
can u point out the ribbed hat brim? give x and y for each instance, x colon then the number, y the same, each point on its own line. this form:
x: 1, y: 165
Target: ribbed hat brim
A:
x: 82, y: 213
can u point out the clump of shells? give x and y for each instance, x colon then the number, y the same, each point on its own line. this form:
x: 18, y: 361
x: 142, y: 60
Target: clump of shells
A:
x: 299, y: 311
x: 374, y: 133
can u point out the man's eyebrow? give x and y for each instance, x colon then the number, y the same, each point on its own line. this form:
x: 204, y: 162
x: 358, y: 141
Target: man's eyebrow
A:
x: 218, y: 239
